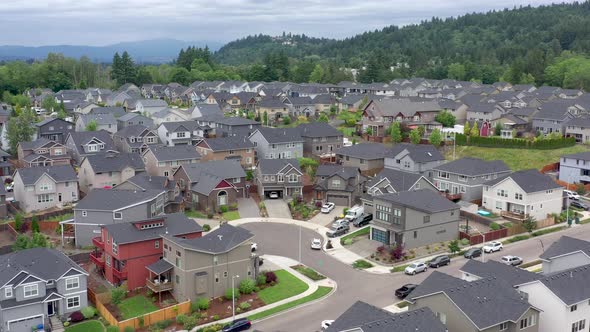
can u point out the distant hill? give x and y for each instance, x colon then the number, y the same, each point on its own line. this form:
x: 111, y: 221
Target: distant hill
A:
x: 146, y: 51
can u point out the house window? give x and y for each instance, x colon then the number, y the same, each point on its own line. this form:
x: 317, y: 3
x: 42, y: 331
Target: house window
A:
x: 216, y: 277
x: 336, y: 183
x: 92, y: 148
x: 528, y: 322
x: 215, y: 260
x: 415, y: 234
x: 463, y: 189
x: 44, y: 198
x: 362, y: 161
x: 72, y: 283
x: 115, y: 247
x: 462, y: 178
x: 443, y: 175
x: 518, y: 196
x: 293, y: 178
x: 178, y: 262
x: 426, y: 219
x: 503, y: 326
x: 107, y: 259
x: 181, y: 135
x: 157, y: 244
x: 406, y: 164
x: 73, y: 302
x: 84, y: 213
x: 499, y: 205
x: 574, y: 308
x: 166, y: 173
x: 280, y: 178
x: 31, y: 290
x: 237, y: 180
x: 502, y: 193
x: 225, y: 274
x: 8, y: 291
x: 118, y: 215
x: 58, y: 152
x: 579, y: 325
x: 45, y: 187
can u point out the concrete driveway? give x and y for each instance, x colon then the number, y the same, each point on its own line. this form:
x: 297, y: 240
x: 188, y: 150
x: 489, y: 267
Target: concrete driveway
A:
x: 326, y: 219
x: 248, y: 208
x: 277, y: 208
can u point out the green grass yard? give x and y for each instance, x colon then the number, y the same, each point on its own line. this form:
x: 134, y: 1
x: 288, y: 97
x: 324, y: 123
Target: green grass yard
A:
x: 288, y: 286
x: 195, y: 214
x: 318, y: 294
x: 136, y: 306
x: 87, y: 326
x: 361, y: 232
x: 231, y: 215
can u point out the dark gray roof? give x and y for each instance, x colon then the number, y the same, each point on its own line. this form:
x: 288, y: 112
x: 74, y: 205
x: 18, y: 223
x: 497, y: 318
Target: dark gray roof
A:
x: 115, y: 111
x: 228, y: 143
x: 115, y: 162
x: 221, y: 240
x: 566, y: 245
x: 64, y: 173
x: 580, y: 156
x: 273, y: 166
x: 132, y: 131
x: 421, y: 200
x: 271, y: 102
x: 130, y: 116
x: 365, y: 317
x: 508, y: 273
x: 352, y: 99
x: 571, y: 286
x: 525, y: 111
x: 399, y: 180
x: 318, y: 129
x: 236, y: 121
x: 420, y: 153
x: 329, y: 170
x: 180, y: 126
x: 583, y: 122
x: 144, y: 181
x: 36, y: 143
x: 367, y: 151
x: 160, y: 266
x: 554, y: 110
x: 473, y: 167
x: 204, y: 110
x: 175, y: 224
x: 280, y: 135
x: 43, y: 263
x: 80, y: 138
x: 177, y: 152
x: 152, y: 102
x: 205, y: 176
x: 530, y: 180
x: 115, y: 199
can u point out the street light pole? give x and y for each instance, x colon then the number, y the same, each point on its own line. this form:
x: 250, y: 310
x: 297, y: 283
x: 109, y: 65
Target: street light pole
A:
x: 233, y: 297
x: 299, y: 243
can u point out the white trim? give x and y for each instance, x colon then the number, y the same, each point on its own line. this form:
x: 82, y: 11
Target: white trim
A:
x: 24, y: 318
x: 84, y: 273
x: 72, y: 278
x: 6, y: 292
x: 30, y: 285
x: 73, y: 297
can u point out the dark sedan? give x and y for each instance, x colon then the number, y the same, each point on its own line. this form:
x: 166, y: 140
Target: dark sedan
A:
x: 405, y: 290
x: 472, y: 253
x: 241, y: 324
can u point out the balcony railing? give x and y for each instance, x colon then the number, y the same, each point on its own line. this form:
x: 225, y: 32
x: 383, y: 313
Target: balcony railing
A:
x: 97, y: 242
x: 454, y: 197
x: 160, y: 286
x: 514, y: 215
x: 121, y: 275
x: 97, y: 258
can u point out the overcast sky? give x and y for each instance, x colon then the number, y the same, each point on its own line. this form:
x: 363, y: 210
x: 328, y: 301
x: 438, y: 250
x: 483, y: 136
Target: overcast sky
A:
x: 102, y: 22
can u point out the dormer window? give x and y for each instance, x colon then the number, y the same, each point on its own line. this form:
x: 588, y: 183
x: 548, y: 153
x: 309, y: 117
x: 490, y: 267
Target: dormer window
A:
x: 132, y: 139
x: 8, y: 291
x: 92, y: 148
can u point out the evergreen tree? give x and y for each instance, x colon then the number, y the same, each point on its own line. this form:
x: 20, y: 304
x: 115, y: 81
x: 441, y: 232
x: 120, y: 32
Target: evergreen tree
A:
x: 395, y: 132
x: 117, y: 69
x: 415, y: 137
x: 466, y: 129
x: 127, y: 69
x: 474, y: 130
x: 435, y: 137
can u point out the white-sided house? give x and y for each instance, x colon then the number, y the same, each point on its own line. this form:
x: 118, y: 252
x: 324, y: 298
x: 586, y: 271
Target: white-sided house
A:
x: 564, y: 254
x: 522, y: 194
x: 41, y: 188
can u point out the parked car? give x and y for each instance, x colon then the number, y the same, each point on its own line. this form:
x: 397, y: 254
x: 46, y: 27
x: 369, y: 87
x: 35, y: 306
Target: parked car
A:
x: 572, y: 194
x: 337, y: 231
x: 363, y: 220
x: 340, y: 222
x: 439, y: 261
x: 404, y: 290
x: 326, y: 323
x: 241, y: 324
x: 416, y: 267
x: 579, y: 205
x: 9, y: 187
x: 354, y: 212
x: 316, y: 244
x: 472, y: 253
x: 346, y: 142
x: 254, y: 246
x: 273, y: 195
x: 492, y: 247
x: 512, y: 260
x: 328, y: 207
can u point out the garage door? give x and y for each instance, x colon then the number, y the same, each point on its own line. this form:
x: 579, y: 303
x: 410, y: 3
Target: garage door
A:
x: 379, y: 235
x: 25, y: 324
x: 267, y: 193
x: 338, y: 200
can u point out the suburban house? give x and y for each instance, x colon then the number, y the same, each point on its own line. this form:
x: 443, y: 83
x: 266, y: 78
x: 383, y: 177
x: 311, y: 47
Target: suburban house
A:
x: 368, y: 157
x: 180, y: 133
x: 134, y: 119
x: 575, y: 168
x: 124, y: 250
x: 150, y: 106
x: 42, y: 152
x: 113, y: 206
x: 205, y: 110
x: 206, y: 186
x: 143, y: 181
x: 42, y: 188
x: 106, y: 170
x: 414, y: 218
x: 40, y: 286
x: 464, y: 178
x: 488, y: 304
x: 414, y: 158
x: 338, y: 184
x: 165, y: 160
x: 104, y: 121
x: 205, y: 266
x: 320, y: 139
x: 273, y: 107
x: 564, y: 254
x: 85, y: 143
x: 277, y: 143
x: 474, y: 270
x: 578, y: 128
x: 553, y: 116
x: 232, y: 126
x: 362, y: 316
x: 523, y: 194
x: 231, y: 147
x: 114, y: 111
x: 351, y: 102
x: 6, y: 167
x: 54, y: 129
x: 280, y: 176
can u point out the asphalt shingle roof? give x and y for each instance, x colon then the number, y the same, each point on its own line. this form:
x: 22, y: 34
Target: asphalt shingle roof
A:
x: 115, y: 111
x: 175, y: 224
x: 399, y: 180
x: 566, y: 245
x: 115, y: 162
x: 80, y: 138
x: 530, y: 180
x: 144, y: 181
x: 115, y: 199
x: 318, y: 129
x: 473, y: 167
x: 222, y: 240
x: 571, y: 286
x: 422, y: 200
x: 510, y: 274
x: 64, y: 173
x: 367, y: 151
x: 177, y: 152
x: 420, y: 153
x: 228, y: 143
x: 280, y: 135
x: 160, y: 266
x: 273, y: 166
x: 152, y: 102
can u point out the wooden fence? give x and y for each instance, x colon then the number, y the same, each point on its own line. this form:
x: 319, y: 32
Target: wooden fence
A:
x: 517, y: 228
x: 489, y: 236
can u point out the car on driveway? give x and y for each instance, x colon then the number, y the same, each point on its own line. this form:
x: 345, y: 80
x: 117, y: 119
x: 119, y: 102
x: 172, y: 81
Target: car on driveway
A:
x: 328, y: 207
x: 416, y: 267
x: 404, y: 290
x: 273, y: 195
x: 512, y: 260
x: 241, y: 324
x: 10, y: 187
x: 316, y: 244
x: 254, y: 246
x: 579, y: 205
x: 492, y: 247
x: 571, y: 194
x: 326, y: 323
x: 363, y: 220
x: 439, y: 261
x: 340, y: 222
x: 472, y: 253
x: 338, y: 230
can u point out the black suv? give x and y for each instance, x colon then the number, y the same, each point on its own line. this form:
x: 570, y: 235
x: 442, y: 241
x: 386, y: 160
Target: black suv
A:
x: 241, y: 324
x: 405, y: 290
x: 439, y: 261
x: 363, y: 220
x: 472, y: 253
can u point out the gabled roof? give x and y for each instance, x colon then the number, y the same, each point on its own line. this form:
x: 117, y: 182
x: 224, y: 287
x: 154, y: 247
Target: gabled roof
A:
x: 222, y: 169
x: 160, y: 266
x: 40, y: 142
x: 421, y: 200
x: 177, y: 152
x: 131, y: 116
x: 530, y: 180
x: 419, y: 153
x: 114, y: 162
x: 132, y: 131
x: 273, y: 166
x: 571, y: 286
x: 367, y: 151
x: 566, y: 245
x: 202, y: 110
x: 280, y: 135
x: 115, y: 111
x: 152, y: 102
x: 180, y: 126
x: 144, y: 181
x: 405, y: 106
x: 81, y: 138
x: 554, y: 110
x: 399, y: 180
x: 352, y: 99
x: 343, y: 171
x: 228, y: 143
x: 271, y: 102
x: 473, y: 167
x: 221, y: 240
x: 115, y: 199
x: 318, y: 129
x: 60, y: 123
x: 582, y: 122
x: 580, y: 156
x: 508, y: 273
x: 64, y: 173
x: 175, y: 224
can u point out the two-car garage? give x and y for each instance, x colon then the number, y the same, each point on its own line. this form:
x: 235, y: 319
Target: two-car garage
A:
x: 339, y: 200
x: 273, y: 193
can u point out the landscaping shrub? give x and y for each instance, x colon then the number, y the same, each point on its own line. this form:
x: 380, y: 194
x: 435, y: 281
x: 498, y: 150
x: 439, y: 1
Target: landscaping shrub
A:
x: 66, y: 324
x: 223, y: 208
x: 89, y: 312
x: 518, y: 238
x: 180, y: 319
x: 76, y: 316
x: 261, y: 279
x: 118, y: 294
x: 163, y: 323
x: 464, y: 242
x: 256, y: 289
x: 189, y: 323
x: 35, y: 224
x: 270, y: 277
x: 128, y: 329
x: 215, y: 317
x: 202, y: 303
x: 206, y: 227
x: 18, y: 222
x: 361, y: 264
x: 212, y: 328
x: 228, y: 293
x: 494, y: 226
x: 247, y: 286
x: 347, y: 242
x: 111, y: 328
x: 244, y: 305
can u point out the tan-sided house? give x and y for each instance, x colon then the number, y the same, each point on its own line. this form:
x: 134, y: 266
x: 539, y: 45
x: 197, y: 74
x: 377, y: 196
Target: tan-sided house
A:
x: 41, y: 188
x: 42, y: 152
x: 106, y: 170
x: 231, y: 147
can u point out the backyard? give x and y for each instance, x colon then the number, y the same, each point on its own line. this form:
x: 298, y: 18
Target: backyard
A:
x: 136, y: 306
x: 87, y: 326
x: 231, y: 215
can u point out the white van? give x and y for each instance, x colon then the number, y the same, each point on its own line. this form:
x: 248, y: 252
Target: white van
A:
x: 354, y: 212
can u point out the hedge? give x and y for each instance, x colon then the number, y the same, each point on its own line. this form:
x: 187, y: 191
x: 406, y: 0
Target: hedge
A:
x: 515, y: 143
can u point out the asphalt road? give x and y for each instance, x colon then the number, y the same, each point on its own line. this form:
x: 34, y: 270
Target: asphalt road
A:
x: 353, y: 285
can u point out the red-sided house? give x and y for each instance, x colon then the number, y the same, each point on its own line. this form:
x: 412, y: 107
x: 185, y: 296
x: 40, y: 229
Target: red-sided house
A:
x: 124, y: 250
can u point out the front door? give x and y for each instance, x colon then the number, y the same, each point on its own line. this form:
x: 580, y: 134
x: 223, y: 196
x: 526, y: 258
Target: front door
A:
x: 59, y: 197
x: 50, y: 308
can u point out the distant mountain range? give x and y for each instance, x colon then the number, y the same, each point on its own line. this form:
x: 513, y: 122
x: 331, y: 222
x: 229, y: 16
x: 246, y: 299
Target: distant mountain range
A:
x: 145, y: 51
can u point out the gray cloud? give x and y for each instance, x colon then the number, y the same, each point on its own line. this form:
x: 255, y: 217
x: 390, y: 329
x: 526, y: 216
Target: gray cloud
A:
x: 101, y: 22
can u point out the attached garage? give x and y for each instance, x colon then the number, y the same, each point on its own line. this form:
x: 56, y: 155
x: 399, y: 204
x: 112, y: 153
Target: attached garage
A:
x: 25, y: 324
x: 339, y: 200
x: 278, y: 191
x: 380, y: 235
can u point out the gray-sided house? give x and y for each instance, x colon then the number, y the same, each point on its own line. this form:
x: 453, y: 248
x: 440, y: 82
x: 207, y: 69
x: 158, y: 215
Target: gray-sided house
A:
x: 565, y: 253
x: 338, y: 184
x: 144, y: 181
x: 54, y: 129
x: 150, y: 106
x: 42, y: 152
x: 320, y: 139
x: 277, y: 143
x: 280, y: 176
x: 135, y: 139
x: 41, y: 188
x: 553, y: 116
x: 39, y: 286
x: 575, y: 168
x: 104, y: 121
x: 415, y: 158
x: 134, y: 119
x: 165, y: 160
x: 368, y: 157
x: 106, y: 170
x: 179, y: 133
x: 82, y: 144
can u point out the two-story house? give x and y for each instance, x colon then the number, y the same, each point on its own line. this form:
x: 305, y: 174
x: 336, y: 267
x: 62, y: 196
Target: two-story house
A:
x: 280, y: 176
x: 42, y: 152
x: 165, y: 160
x: 575, y: 168
x: 135, y: 139
x: 145, y: 181
x: 578, y: 128
x: 414, y: 158
x: 273, y: 107
x: 277, y: 143
x: 205, y: 266
x: 124, y: 250
x: 232, y: 126
x: 231, y: 147
x: 85, y: 143
x: 112, y: 206
x: 564, y: 254
x: 150, y: 106
x: 368, y: 157
x: 6, y: 167
x: 179, y: 133
x: 464, y: 178
x: 552, y: 117
x: 104, y: 121
x: 338, y: 184
x: 320, y: 139
x: 41, y: 188
x: 54, y: 129
x: 207, y: 186
x: 134, y: 119
x: 523, y: 194
x: 106, y: 170
x: 39, y: 286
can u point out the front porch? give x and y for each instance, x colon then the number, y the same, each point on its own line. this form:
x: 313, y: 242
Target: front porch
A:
x: 160, y: 279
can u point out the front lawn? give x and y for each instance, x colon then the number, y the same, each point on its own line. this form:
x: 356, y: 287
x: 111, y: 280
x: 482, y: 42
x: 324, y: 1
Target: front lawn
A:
x: 136, y: 306
x: 309, y: 272
x: 231, y: 215
x: 288, y: 285
x: 516, y: 159
x: 361, y: 232
x: 321, y: 292
x: 361, y: 264
x: 87, y: 326
x: 195, y: 214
